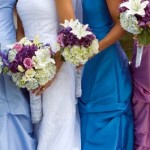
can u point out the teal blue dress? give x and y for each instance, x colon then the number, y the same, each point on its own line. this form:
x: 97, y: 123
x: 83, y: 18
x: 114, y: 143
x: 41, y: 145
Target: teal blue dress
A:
x: 105, y: 104
x: 16, y: 132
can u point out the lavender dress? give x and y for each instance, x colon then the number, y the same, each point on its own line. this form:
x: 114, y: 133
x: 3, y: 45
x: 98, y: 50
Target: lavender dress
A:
x: 141, y: 99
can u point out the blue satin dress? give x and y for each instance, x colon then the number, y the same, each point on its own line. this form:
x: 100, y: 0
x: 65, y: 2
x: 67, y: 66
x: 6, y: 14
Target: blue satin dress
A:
x: 15, y: 123
x: 105, y: 104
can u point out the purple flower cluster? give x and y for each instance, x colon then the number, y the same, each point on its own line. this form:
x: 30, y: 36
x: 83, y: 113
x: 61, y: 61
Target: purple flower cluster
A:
x: 66, y: 38
x: 144, y: 22
x: 123, y: 9
x: 25, y: 52
x: 4, y: 56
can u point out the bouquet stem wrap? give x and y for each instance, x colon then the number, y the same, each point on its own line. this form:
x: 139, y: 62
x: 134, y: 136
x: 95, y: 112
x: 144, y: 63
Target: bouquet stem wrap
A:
x: 78, y: 83
x: 139, y: 56
x: 36, y: 108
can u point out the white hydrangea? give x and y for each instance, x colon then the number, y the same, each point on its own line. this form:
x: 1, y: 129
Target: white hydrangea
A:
x: 25, y: 41
x: 12, y: 54
x: 45, y: 74
x: 16, y: 76
x: 78, y: 55
x: 130, y: 23
x: 18, y: 79
x: 31, y: 84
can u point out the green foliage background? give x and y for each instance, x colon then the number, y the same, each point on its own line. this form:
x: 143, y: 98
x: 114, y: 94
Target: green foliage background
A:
x: 127, y: 44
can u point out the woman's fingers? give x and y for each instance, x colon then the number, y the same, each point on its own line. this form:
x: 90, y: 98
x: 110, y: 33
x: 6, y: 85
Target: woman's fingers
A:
x: 41, y: 91
x: 79, y: 67
x: 37, y: 90
x: 44, y: 87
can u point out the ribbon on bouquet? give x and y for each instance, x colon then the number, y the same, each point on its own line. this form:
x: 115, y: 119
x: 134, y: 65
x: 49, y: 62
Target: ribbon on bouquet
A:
x: 36, y: 108
x: 139, y: 56
x: 78, y: 83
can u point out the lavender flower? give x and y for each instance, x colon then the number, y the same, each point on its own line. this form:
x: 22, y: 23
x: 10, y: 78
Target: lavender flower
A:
x: 144, y: 22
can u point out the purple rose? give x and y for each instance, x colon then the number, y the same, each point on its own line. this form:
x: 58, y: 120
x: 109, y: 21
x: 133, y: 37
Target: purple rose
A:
x: 87, y: 41
x: 26, y: 52
x: 60, y: 39
x: 14, y: 67
x: 28, y: 63
x: 144, y: 20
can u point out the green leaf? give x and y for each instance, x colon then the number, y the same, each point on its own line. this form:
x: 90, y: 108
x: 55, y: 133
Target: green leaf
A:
x: 5, y: 70
x: 144, y: 37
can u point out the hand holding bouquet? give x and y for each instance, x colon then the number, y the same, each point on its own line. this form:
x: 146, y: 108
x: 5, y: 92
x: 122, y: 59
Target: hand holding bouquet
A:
x: 135, y: 18
x: 31, y: 65
x: 76, y: 42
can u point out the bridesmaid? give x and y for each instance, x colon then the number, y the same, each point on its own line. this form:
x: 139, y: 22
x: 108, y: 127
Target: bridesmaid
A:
x: 105, y: 104
x: 15, y: 124
x: 141, y: 99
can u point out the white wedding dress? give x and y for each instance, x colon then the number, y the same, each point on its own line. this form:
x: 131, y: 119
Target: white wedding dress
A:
x: 60, y: 126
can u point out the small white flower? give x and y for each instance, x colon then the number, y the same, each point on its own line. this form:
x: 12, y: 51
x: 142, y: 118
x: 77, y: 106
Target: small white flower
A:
x: 80, y: 31
x: 135, y: 7
x: 95, y: 46
x: 25, y: 41
x: 42, y: 58
x: 72, y: 23
x: 20, y: 68
x: 30, y: 73
x: 11, y: 55
x: 36, y: 40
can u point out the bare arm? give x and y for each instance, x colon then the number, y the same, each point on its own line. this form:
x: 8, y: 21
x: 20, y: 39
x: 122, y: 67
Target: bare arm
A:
x: 20, y: 30
x: 116, y: 32
x: 65, y: 11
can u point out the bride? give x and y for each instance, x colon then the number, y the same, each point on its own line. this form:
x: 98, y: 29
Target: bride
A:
x: 59, y: 128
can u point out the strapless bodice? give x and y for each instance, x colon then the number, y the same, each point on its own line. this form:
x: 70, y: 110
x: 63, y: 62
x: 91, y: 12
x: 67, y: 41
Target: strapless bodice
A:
x: 39, y: 18
x: 97, y: 15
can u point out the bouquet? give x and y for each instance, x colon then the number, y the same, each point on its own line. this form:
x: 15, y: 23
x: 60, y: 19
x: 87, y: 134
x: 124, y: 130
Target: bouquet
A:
x: 31, y: 65
x: 76, y: 42
x: 135, y: 18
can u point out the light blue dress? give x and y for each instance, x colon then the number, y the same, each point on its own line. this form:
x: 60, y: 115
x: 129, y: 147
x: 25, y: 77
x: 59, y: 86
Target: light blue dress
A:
x: 15, y: 123
x: 105, y: 104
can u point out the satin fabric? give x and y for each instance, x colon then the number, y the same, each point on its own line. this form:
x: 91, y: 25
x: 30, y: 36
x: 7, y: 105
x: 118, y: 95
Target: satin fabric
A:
x: 105, y: 104
x: 141, y: 99
x: 77, y: 4
x: 15, y: 123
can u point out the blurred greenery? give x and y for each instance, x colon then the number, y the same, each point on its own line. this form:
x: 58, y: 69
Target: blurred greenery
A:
x: 127, y: 44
